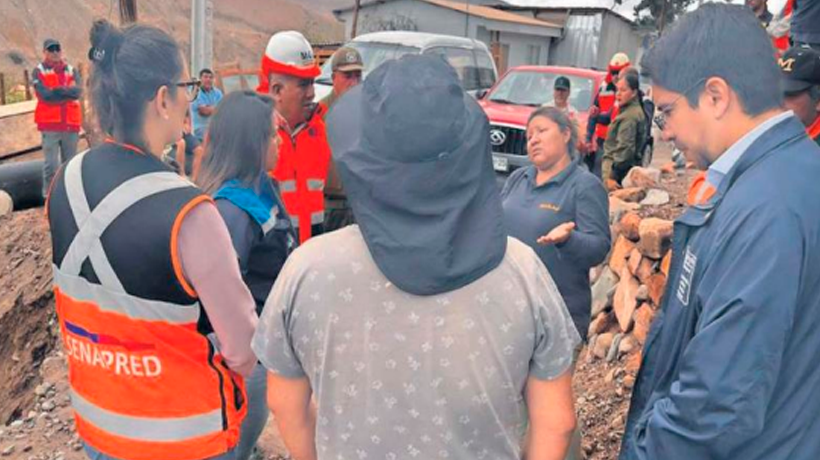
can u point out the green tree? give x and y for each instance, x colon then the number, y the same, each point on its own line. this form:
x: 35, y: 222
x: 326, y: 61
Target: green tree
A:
x: 660, y: 13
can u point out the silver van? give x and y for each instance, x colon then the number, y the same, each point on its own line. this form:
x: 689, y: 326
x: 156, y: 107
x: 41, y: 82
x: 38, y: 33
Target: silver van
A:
x: 470, y: 58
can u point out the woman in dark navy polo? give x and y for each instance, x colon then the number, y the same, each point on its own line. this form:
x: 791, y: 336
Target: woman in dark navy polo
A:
x: 243, y: 145
x: 559, y: 209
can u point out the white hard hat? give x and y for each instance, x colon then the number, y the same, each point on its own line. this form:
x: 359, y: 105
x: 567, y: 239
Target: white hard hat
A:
x: 290, y: 53
x: 619, y: 61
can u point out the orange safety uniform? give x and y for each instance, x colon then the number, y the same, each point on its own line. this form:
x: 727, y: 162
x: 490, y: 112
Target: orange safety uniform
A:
x: 304, y: 159
x: 606, y: 105
x: 67, y: 114
x: 146, y: 382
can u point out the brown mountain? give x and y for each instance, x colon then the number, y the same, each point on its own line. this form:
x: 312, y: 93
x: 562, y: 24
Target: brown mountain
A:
x: 241, y: 27
x: 328, y: 5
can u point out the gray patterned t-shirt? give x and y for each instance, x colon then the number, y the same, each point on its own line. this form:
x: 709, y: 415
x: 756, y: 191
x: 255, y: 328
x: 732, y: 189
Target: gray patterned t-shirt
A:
x: 399, y: 376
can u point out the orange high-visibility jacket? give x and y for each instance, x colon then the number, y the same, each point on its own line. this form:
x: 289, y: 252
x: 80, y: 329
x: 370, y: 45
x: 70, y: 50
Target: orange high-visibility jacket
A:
x: 304, y: 159
x: 606, y: 104
x: 51, y: 114
x: 146, y: 382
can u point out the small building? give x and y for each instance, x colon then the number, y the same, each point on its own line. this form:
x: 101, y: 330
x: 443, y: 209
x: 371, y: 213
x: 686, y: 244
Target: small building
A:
x: 593, y: 30
x: 513, y: 38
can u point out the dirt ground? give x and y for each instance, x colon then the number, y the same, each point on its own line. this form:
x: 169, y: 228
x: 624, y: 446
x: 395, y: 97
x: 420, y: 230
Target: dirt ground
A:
x: 35, y: 416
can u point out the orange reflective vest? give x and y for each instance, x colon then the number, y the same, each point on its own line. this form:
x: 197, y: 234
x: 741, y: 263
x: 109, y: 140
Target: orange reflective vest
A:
x: 67, y: 113
x: 606, y: 105
x: 146, y: 382
x: 304, y: 159
x: 781, y: 44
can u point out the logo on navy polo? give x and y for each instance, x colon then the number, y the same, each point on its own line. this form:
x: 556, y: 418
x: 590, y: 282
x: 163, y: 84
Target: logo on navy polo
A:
x: 690, y: 261
x: 122, y: 357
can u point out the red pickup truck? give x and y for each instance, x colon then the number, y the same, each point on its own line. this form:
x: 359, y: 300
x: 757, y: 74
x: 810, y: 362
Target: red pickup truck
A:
x: 509, y: 103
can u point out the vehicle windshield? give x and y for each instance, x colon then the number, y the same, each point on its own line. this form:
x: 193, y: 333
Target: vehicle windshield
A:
x: 373, y: 55
x: 535, y: 88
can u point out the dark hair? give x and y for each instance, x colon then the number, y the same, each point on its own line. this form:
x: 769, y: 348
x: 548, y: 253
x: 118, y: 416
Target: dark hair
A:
x: 560, y: 118
x: 716, y: 40
x: 632, y: 77
x: 239, y: 135
x: 128, y: 67
x: 204, y: 71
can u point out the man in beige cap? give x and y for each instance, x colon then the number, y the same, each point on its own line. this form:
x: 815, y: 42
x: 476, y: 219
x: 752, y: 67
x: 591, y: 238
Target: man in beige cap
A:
x: 347, y: 67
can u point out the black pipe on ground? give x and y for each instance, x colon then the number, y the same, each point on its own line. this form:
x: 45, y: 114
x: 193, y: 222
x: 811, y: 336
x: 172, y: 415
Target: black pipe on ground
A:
x: 23, y: 181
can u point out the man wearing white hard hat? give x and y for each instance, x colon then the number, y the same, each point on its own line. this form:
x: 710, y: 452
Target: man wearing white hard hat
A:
x: 288, y: 71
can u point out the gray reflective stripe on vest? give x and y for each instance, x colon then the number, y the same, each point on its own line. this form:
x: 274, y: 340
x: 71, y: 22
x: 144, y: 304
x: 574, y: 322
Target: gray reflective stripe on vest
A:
x: 287, y: 186
x: 111, y: 207
x: 147, y: 429
x: 317, y: 218
x: 315, y: 185
x: 78, y: 202
x: 106, y: 300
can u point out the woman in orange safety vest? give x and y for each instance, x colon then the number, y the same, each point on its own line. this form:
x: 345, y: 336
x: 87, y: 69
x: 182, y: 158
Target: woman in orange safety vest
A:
x: 154, y: 316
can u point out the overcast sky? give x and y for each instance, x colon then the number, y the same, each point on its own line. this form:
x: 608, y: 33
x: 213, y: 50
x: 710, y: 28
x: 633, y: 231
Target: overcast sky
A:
x: 774, y: 5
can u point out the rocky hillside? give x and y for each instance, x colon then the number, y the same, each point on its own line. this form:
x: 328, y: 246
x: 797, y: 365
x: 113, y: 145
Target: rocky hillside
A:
x: 242, y: 27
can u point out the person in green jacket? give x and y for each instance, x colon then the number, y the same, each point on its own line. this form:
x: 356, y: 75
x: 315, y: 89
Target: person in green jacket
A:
x: 627, y: 133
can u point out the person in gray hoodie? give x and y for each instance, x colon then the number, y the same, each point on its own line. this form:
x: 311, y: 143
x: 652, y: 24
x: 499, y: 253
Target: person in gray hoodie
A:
x: 423, y: 331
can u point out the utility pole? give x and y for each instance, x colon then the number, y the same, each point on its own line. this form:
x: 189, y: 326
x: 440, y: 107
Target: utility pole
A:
x: 202, y: 38
x: 355, y: 19
x: 467, y: 21
x: 128, y: 12
x: 663, y: 18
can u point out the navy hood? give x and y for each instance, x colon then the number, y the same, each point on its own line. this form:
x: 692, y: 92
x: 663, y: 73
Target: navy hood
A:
x: 413, y: 152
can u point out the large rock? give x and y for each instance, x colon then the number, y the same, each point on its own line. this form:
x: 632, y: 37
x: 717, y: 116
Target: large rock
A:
x: 618, y: 207
x: 634, y: 262
x: 642, y: 177
x: 656, y: 284
x: 655, y: 197
x: 630, y: 226
x: 6, y: 204
x: 643, y: 320
x: 625, y: 303
x: 633, y: 363
x: 628, y: 345
x: 620, y: 253
x: 656, y: 237
x: 630, y: 195
x: 645, y: 270
x: 602, y: 323
x: 602, y: 291
x: 643, y: 293
x: 602, y: 345
x: 665, y: 263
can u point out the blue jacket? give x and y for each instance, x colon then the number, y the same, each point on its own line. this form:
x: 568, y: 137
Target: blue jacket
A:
x: 730, y: 368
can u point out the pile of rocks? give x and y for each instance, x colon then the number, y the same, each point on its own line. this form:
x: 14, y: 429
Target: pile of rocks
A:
x: 628, y: 289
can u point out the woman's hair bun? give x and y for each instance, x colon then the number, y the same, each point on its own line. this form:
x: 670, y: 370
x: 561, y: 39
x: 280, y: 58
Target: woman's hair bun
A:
x: 105, y: 40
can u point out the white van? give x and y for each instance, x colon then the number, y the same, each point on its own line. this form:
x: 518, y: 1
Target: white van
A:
x: 470, y: 58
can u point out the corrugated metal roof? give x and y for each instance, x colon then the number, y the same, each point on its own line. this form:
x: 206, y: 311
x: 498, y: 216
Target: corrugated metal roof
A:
x: 626, y: 9
x: 490, y: 13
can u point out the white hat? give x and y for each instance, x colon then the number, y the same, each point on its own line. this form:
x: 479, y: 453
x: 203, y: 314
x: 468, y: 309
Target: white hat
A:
x: 290, y: 53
